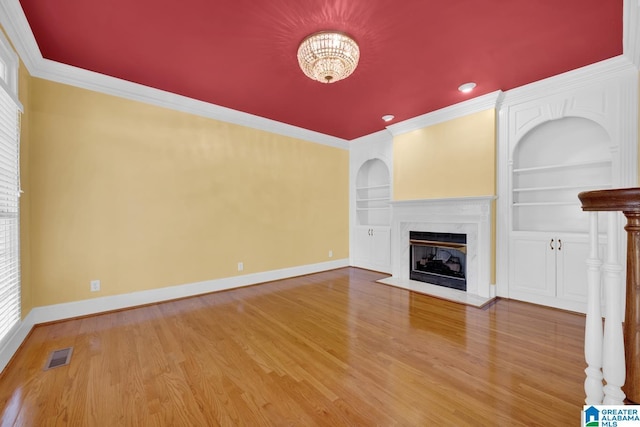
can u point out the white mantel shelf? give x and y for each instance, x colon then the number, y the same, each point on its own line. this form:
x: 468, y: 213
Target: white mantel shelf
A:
x: 443, y: 201
x: 466, y: 215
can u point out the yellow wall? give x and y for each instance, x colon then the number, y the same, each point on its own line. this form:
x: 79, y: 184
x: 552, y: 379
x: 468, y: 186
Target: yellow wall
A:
x: 143, y: 197
x: 456, y: 158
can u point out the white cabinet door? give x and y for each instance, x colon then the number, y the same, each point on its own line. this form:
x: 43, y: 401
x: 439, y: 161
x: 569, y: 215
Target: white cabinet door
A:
x: 532, y: 267
x: 550, y: 269
x: 381, y: 249
x: 372, y: 248
x: 362, y: 247
x: 571, y: 259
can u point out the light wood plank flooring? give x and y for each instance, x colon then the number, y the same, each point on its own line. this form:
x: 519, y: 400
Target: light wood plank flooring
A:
x: 328, y: 349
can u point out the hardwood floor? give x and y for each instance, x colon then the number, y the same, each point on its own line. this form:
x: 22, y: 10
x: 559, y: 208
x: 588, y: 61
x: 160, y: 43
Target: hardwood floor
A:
x: 328, y: 349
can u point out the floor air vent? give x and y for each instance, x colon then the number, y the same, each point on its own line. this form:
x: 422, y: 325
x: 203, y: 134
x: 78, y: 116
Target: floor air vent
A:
x: 59, y: 358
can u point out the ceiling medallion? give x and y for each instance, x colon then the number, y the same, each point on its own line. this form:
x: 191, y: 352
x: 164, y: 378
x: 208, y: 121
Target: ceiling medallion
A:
x: 328, y: 56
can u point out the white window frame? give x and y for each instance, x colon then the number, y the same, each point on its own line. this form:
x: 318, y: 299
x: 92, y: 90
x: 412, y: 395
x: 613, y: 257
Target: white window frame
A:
x: 10, y: 109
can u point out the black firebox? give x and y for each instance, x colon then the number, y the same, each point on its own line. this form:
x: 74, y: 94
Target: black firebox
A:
x: 439, y: 258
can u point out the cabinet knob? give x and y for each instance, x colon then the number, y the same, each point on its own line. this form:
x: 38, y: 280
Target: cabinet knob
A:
x: 559, y: 244
x: 551, y: 244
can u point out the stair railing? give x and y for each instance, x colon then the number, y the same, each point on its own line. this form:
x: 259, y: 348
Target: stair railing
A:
x: 612, y: 355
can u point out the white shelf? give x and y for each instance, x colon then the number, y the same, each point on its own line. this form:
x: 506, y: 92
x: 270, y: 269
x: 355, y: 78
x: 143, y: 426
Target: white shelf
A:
x: 373, y: 209
x: 564, y: 187
x: 563, y: 166
x: 374, y: 199
x: 374, y: 187
x: 545, y: 196
x: 547, y: 204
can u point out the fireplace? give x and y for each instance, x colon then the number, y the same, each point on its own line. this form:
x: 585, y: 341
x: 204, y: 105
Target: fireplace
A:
x: 439, y: 258
x: 466, y: 216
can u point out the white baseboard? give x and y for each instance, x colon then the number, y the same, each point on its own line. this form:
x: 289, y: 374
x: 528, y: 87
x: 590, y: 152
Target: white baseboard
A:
x: 14, y: 340
x: 70, y: 310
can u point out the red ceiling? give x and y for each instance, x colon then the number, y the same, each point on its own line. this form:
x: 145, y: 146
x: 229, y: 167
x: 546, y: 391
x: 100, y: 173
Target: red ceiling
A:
x: 414, y: 53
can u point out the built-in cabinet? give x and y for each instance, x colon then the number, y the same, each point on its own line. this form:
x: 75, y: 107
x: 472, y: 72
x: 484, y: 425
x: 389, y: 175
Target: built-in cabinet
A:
x: 371, y: 211
x: 549, y: 240
x: 551, y: 150
x: 373, y: 247
x: 550, y: 268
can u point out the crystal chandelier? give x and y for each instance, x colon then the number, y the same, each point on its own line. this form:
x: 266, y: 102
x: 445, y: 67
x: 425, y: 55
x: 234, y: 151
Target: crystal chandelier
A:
x: 328, y: 56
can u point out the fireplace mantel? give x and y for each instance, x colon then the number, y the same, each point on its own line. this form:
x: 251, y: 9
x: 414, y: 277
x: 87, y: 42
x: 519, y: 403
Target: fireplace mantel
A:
x: 468, y: 215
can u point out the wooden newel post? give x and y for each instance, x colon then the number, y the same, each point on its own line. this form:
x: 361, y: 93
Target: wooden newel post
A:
x: 626, y: 200
x: 632, y: 309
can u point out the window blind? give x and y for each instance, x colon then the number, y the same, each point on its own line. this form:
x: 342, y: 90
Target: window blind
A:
x: 9, y: 214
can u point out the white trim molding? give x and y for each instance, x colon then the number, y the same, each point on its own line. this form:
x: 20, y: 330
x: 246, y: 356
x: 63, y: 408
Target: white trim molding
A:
x: 15, y: 23
x: 475, y: 105
x: 571, y: 80
x: 379, y: 137
x: 57, y: 312
x: 631, y: 31
x: 11, y: 61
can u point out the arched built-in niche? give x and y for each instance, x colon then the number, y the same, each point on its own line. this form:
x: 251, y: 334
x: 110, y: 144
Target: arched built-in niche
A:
x: 373, y: 193
x: 548, y: 244
x: 589, y: 117
x: 551, y: 164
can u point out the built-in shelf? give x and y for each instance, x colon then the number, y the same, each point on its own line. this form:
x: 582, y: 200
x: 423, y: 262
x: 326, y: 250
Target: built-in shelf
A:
x: 373, y: 187
x: 549, y: 173
x: 567, y: 203
x: 555, y: 147
x: 374, y: 199
x: 564, y: 187
x: 373, y: 193
x: 563, y: 166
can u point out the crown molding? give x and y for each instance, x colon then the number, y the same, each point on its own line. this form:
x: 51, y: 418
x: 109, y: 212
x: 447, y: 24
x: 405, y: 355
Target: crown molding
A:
x: 15, y: 23
x: 78, y: 77
x: 631, y: 31
x: 475, y: 105
x: 574, y: 79
x: 377, y: 137
x: 17, y: 27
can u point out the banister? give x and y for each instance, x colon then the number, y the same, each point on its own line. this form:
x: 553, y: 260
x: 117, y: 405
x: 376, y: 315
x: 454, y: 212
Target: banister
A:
x: 627, y: 201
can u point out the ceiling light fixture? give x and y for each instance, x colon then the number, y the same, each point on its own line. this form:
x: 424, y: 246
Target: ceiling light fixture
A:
x: 388, y: 117
x: 467, y: 87
x: 328, y: 56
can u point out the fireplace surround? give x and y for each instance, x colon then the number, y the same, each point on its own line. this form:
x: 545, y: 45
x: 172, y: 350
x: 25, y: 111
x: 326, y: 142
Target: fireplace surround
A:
x: 466, y: 215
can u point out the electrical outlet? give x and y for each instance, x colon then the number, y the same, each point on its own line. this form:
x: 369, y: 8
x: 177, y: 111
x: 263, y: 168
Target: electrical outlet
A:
x: 330, y: 254
x: 95, y: 285
x: 240, y: 266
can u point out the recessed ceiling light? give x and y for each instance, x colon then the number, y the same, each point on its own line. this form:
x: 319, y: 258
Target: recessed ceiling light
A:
x: 467, y: 87
x: 388, y: 117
